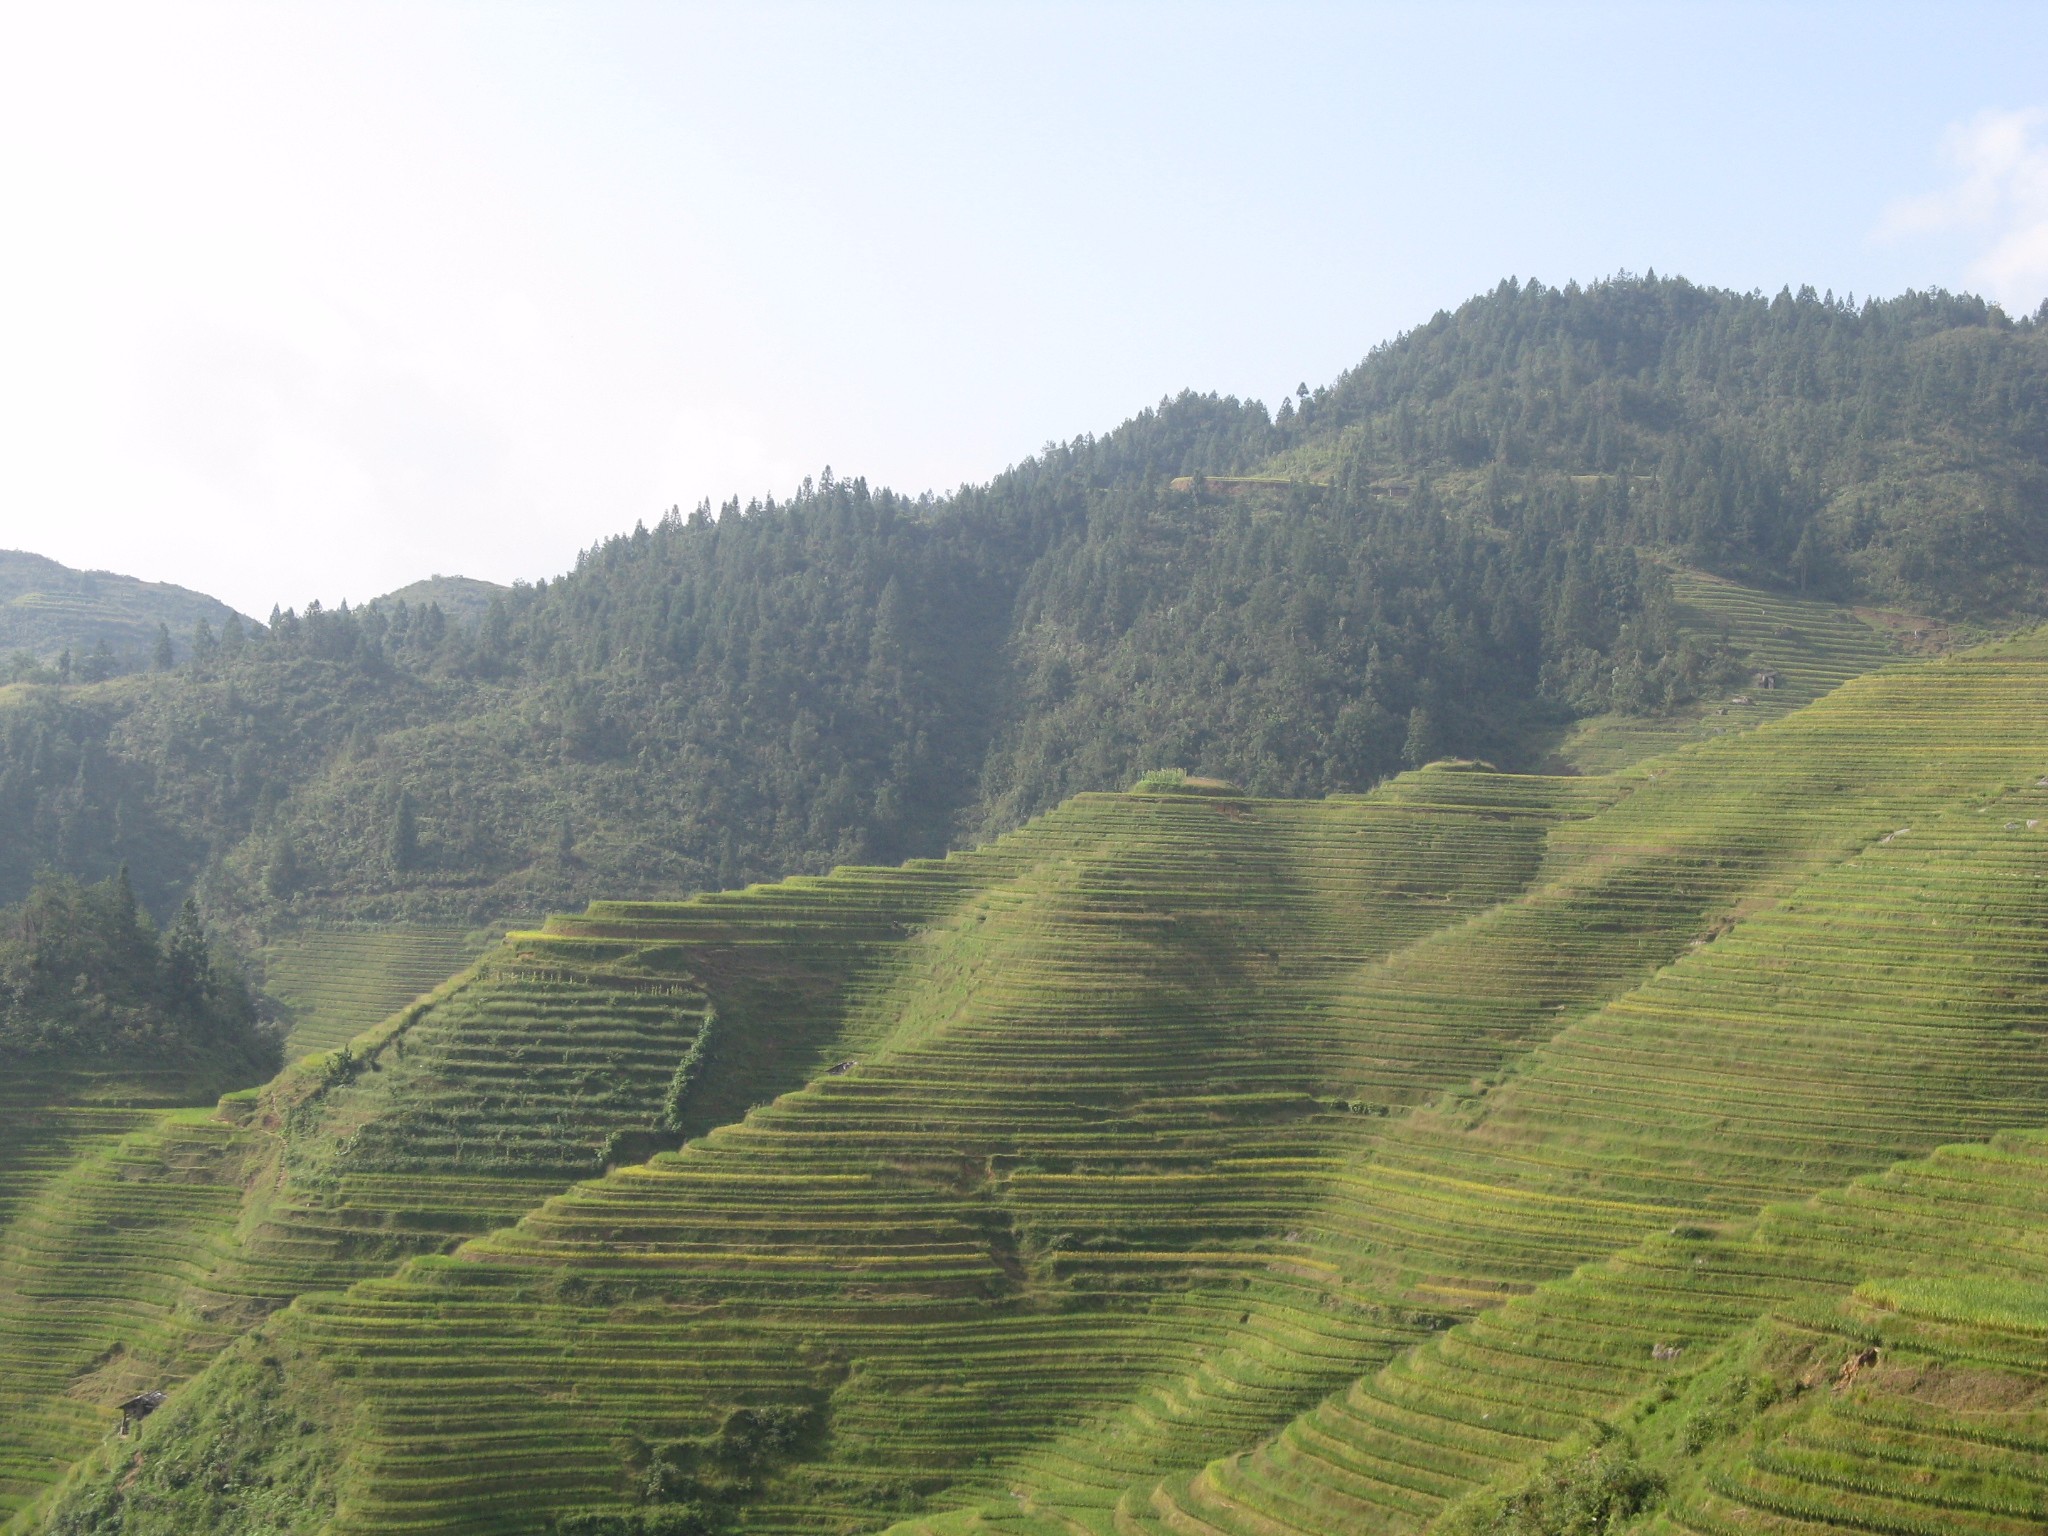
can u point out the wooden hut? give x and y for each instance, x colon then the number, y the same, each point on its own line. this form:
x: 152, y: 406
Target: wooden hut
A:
x: 140, y: 1407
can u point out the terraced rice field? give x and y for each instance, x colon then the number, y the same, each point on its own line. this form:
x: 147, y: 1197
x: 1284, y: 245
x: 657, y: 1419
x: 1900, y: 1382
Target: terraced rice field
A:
x: 108, y: 1199
x: 504, y: 1090
x: 1210, y: 1165
x: 1890, y: 1002
x: 138, y: 1241
x: 1941, y: 1267
x: 337, y: 982
x: 1813, y: 647
x: 1773, y: 1058
x: 110, y: 1215
x: 1810, y: 648
x: 1138, y: 1135
x: 1031, y: 1123
x: 1890, y: 1375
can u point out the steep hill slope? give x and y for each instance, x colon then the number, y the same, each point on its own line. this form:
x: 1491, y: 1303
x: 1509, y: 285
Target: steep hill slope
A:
x: 1459, y: 548
x: 1186, y: 1162
x: 106, y: 623
x: 790, y: 965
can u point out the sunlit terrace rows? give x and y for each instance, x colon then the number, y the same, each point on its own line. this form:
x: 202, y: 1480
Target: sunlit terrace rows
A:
x: 1086, y: 1070
x: 1080, y: 1087
x: 1898, y: 1324
x: 1947, y: 1430
x: 1810, y: 647
x: 498, y: 1095
x: 142, y: 1240
x: 1503, y: 1186
x: 1788, y: 651
x: 96, y: 1268
x: 1115, y: 1146
x: 1882, y: 1007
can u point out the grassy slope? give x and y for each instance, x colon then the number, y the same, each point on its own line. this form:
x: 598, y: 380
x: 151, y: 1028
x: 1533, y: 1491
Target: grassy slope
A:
x: 1104, y: 1191
x: 798, y: 971
x: 1884, y: 1006
x: 1774, y: 1059
x: 319, y: 1215
x: 1942, y: 1266
x: 132, y: 1244
x: 112, y: 1195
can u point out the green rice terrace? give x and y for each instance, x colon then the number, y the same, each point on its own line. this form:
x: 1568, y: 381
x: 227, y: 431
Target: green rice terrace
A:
x: 333, y: 980
x: 1660, y: 1149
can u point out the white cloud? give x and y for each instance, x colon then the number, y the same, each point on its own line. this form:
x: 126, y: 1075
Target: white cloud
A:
x: 1999, y: 198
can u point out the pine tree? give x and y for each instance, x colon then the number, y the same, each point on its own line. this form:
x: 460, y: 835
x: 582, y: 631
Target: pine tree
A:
x: 281, y: 874
x: 1422, y: 745
x: 186, y: 962
x: 99, y: 664
x: 403, y: 846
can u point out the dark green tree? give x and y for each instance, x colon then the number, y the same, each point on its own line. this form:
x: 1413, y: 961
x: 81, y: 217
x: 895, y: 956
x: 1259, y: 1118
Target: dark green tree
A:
x: 1423, y: 745
x: 403, y: 840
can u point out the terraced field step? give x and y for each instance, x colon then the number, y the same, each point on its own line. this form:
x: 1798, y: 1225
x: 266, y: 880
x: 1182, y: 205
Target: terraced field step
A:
x: 96, y: 1268
x: 1172, y: 1126
x: 1772, y: 1059
x: 337, y: 982
x: 1056, y: 1099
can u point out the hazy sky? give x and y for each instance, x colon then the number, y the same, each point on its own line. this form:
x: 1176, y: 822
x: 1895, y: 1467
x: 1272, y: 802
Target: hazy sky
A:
x: 308, y: 301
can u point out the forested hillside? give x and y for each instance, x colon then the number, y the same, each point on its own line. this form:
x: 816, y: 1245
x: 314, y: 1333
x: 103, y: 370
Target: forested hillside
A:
x: 1457, y: 549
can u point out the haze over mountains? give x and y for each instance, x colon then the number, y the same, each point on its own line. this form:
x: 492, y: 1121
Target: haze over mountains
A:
x: 1460, y: 956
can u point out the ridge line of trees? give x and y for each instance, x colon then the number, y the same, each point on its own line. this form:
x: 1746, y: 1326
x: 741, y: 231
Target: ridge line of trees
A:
x: 1452, y: 549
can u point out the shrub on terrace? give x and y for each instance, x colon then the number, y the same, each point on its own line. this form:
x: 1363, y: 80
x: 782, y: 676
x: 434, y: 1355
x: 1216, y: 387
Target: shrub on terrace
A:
x: 1581, y: 1491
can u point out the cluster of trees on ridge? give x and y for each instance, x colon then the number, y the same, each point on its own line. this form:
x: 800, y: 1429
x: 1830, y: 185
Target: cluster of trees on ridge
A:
x: 1454, y: 546
x: 86, y: 979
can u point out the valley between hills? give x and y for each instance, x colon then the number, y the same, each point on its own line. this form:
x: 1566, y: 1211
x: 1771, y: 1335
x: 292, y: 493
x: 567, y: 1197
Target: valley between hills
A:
x: 1563, y: 1047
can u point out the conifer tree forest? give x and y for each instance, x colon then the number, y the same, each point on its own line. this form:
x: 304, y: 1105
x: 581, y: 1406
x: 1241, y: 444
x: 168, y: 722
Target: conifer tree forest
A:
x: 1454, y: 549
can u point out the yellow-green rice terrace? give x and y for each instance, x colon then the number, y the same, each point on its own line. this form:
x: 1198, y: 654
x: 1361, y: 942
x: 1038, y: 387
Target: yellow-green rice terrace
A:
x: 1663, y: 1149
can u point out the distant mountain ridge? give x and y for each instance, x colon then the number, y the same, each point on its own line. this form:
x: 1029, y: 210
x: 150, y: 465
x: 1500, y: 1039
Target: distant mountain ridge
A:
x: 47, y: 608
x: 1515, y: 519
